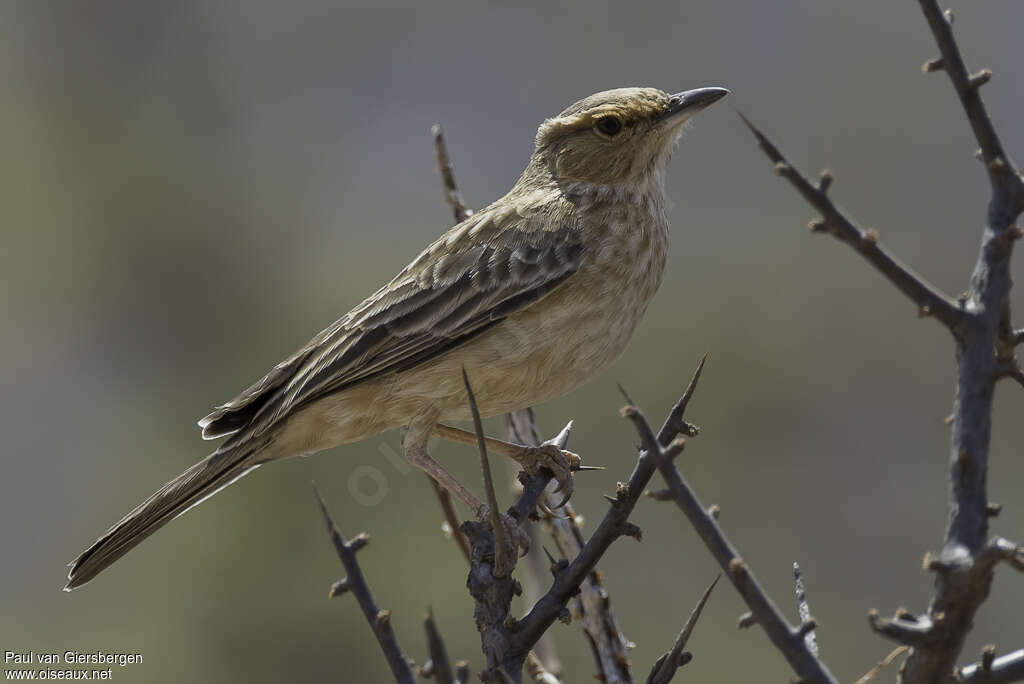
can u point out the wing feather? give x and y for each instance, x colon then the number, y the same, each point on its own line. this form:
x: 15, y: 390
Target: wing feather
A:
x: 493, y: 264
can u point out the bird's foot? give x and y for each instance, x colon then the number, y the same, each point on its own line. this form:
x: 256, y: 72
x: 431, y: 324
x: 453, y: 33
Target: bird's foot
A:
x: 559, y: 461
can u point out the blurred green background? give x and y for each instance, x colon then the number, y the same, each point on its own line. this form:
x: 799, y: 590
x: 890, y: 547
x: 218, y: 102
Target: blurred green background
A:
x: 193, y: 189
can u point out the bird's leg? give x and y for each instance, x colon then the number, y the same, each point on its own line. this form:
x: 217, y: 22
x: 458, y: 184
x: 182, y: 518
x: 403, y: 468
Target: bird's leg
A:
x: 530, y: 458
x: 416, y: 453
x: 414, y: 443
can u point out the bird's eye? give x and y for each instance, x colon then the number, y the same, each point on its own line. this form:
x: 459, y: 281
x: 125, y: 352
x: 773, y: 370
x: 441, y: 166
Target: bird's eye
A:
x: 609, y: 125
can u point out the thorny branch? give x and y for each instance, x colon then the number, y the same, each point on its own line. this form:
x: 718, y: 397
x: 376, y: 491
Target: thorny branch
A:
x: 787, y: 639
x: 447, y: 172
x: 379, y: 620
x: 569, y: 576
x: 523, y: 430
x: 984, y: 338
x: 930, y: 301
x: 608, y: 644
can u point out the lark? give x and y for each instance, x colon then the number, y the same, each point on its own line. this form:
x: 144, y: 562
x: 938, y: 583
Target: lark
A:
x: 532, y: 295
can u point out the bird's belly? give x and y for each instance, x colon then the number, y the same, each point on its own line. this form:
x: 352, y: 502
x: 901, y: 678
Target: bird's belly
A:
x: 542, y: 352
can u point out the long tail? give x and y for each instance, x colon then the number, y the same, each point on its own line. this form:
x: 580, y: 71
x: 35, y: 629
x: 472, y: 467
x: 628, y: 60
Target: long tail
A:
x: 193, y: 486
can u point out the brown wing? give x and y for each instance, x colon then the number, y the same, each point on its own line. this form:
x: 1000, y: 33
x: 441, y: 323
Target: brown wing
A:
x: 484, y: 269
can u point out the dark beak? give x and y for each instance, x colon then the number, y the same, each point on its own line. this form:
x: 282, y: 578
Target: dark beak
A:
x: 687, y: 103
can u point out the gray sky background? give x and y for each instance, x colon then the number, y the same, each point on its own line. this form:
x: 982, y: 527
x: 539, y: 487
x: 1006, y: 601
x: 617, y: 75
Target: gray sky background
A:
x: 192, y: 190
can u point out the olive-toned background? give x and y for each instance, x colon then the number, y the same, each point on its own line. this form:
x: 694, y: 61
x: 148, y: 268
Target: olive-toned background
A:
x: 191, y: 190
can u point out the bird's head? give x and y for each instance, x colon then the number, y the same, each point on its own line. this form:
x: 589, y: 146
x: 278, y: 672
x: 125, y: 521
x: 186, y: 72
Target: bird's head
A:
x: 618, y: 136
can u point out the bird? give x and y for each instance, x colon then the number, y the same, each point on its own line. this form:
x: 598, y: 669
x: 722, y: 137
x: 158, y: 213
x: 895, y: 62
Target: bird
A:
x: 532, y: 296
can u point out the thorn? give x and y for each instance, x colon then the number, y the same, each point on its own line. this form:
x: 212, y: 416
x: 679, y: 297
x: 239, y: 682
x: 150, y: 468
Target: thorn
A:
x: 339, y: 587
x: 383, y: 618
x: 806, y: 628
x: 632, y: 530
x: 939, y: 617
x: 904, y: 614
x: 583, y: 468
x: 736, y: 567
x: 689, y: 429
x: 611, y: 499
x: 924, y: 311
x: 746, y: 620
x: 988, y: 655
x: 426, y: 671
x: 782, y: 168
x: 869, y: 238
x: 675, y: 447
x: 714, y: 510
x: 948, y: 14
x: 564, y: 616
x: 993, y: 509
x: 929, y: 562
x: 979, y: 79
x: 948, y: 419
x: 628, y: 411
x: 817, y: 226
x: 825, y: 181
x: 360, y: 542
x: 979, y: 155
x: 550, y: 513
x: 997, y: 165
x: 1015, y: 232
x: 626, y: 395
x: 931, y: 65
x: 660, y: 494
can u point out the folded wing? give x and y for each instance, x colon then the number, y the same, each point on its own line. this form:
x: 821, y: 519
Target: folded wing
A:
x: 484, y: 269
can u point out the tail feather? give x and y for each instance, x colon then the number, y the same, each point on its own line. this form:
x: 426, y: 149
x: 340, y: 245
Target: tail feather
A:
x: 192, y: 487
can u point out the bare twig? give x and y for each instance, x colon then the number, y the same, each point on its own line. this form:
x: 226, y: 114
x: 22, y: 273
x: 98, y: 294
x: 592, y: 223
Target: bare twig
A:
x: 440, y: 666
x: 991, y: 670
x: 454, y: 199
x: 787, y: 639
x: 379, y: 620
x: 503, y: 563
x: 964, y: 568
x: 929, y: 299
x: 1002, y: 172
x: 804, y: 610
x: 667, y: 665
x: 447, y: 172
x: 451, y: 518
x: 882, y: 664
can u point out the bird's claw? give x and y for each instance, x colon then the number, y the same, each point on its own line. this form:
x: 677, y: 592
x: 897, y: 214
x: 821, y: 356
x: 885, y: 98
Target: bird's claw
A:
x: 560, y: 462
